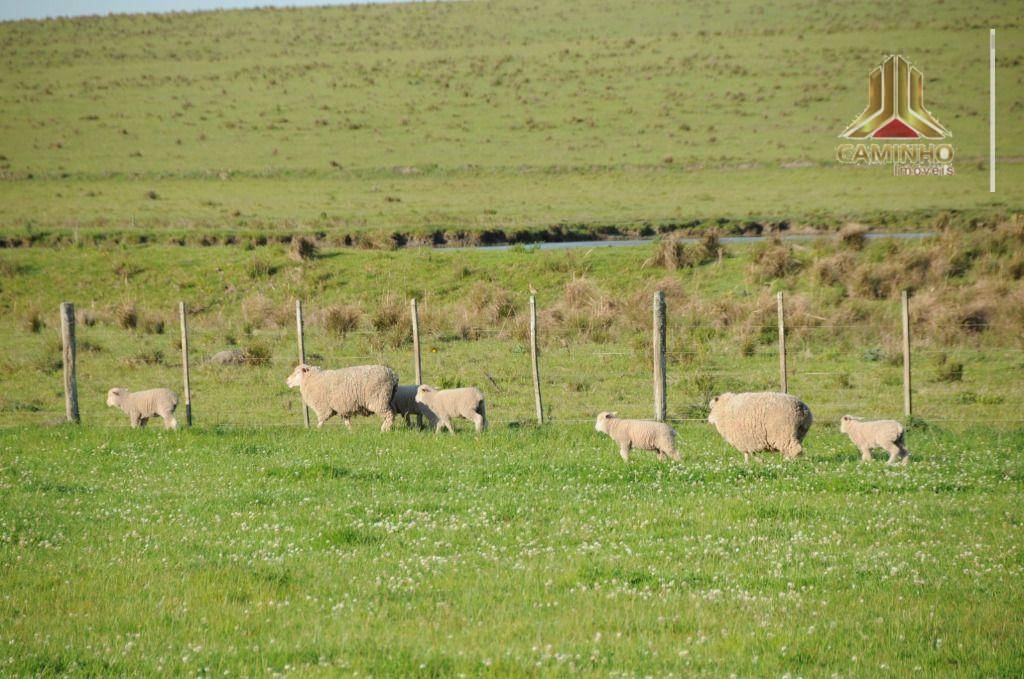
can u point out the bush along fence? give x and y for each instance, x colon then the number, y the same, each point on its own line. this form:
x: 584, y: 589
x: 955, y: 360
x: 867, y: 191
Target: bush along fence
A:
x: 658, y: 344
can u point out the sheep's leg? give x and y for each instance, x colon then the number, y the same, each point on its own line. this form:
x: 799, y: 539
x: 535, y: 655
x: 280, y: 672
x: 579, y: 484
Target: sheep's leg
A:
x: 746, y: 457
x: 448, y: 425
x: 904, y: 453
x: 865, y: 453
x: 134, y: 418
x: 793, y: 450
x: 321, y: 418
x: 624, y: 451
x: 143, y: 421
x: 438, y: 425
x: 661, y: 455
x: 894, y: 452
x: 387, y: 420
x: 478, y: 421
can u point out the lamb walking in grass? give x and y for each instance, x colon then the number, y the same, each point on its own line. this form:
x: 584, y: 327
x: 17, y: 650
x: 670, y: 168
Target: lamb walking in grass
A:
x: 753, y: 422
x: 640, y: 434
x: 404, y: 403
x: 139, y: 406
x: 445, y: 404
x: 360, y: 390
x: 868, y: 434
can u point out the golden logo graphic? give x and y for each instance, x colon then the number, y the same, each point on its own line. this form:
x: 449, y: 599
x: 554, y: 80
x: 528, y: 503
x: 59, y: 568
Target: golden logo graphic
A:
x: 896, y: 106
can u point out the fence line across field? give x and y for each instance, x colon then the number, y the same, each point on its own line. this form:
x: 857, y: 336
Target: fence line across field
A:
x: 533, y: 385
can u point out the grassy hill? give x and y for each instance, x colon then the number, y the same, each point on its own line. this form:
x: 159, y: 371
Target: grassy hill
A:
x: 473, y: 116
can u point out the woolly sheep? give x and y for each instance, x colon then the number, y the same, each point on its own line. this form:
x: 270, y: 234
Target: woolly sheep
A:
x: 641, y: 434
x: 467, y: 402
x: 887, y: 434
x: 758, y: 421
x: 139, y: 406
x: 403, y: 402
x: 359, y: 390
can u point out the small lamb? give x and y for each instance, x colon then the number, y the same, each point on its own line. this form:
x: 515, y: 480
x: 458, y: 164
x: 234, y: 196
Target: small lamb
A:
x: 467, y: 402
x: 641, y: 434
x: 404, y: 403
x: 887, y: 434
x: 139, y: 406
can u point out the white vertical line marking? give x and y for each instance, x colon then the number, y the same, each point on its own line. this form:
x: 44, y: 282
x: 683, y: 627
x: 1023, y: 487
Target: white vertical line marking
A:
x: 992, y: 111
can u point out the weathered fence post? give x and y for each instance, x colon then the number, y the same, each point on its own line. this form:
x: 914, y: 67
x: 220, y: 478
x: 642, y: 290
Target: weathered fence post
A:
x: 68, y: 356
x: 417, y: 358
x: 908, y: 409
x: 538, y: 403
x: 302, y: 351
x: 659, y: 356
x: 184, y: 365
x: 783, y: 376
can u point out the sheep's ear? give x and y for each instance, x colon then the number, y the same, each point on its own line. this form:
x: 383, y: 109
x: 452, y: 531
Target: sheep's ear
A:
x: 613, y: 414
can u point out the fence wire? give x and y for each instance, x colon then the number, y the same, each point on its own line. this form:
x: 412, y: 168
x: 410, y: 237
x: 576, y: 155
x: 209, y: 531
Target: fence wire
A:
x: 579, y: 377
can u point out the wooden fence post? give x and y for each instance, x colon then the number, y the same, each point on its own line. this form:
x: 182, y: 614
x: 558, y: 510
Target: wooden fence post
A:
x: 783, y: 373
x: 417, y: 358
x: 184, y: 365
x: 538, y: 403
x: 302, y: 351
x: 659, y: 356
x: 908, y: 409
x: 68, y: 356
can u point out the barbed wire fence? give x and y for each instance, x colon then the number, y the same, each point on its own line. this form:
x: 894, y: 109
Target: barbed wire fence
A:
x: 530, y: 377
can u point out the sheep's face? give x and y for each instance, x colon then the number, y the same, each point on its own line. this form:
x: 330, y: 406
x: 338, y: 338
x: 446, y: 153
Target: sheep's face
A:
x: 844, y: 424
x: 421, y: 391
x: 115, y: 395
x: 295, y: 379
x: 602, y: 421
x: 714, y: 404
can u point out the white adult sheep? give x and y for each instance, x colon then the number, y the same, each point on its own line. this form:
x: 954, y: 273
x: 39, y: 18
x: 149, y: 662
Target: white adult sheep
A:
x: 467, y: 402
x: 758, y: 421
x: 887, y: 434
x: 359, y: 390
x: 404, y: 403
x: 139, y: 406
x: 640, y: 434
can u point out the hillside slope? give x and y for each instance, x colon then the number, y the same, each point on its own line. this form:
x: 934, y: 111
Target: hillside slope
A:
x: 499, y: 115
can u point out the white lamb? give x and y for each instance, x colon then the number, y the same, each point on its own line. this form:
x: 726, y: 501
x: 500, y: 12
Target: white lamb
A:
x: 360, y: 390
x: 404, y: 403
x: 466, y: 402
x: 640, y: 434
x: 139, y: 406
x: 757, y: 421
x: 887, y: 434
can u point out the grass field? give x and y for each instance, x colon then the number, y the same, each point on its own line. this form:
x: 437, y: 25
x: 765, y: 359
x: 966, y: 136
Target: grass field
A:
x: 471, y: 116
x: 517, y: 552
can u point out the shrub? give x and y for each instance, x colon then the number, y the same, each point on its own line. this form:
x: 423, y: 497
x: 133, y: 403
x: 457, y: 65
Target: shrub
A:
x: 773, y: 262
x: 303, y: 249
x: 673, y: 253
x: 144, y: 357
x: 257, y: 353
x: 853, y: 236
x: 340, y: 319
x: 34, y: 320
x: 154, y: 326
x: 127, y: 316
x: 947, y: 370
x: 259, y: 268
